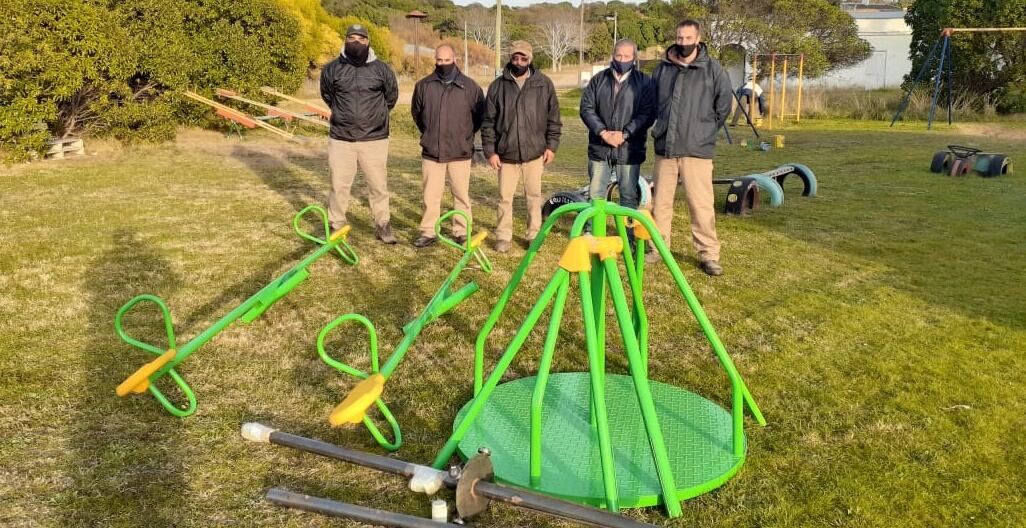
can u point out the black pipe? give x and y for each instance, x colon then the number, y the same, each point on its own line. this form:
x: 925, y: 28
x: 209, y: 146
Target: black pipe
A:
x: 515, y: 496
x: 349, y: 511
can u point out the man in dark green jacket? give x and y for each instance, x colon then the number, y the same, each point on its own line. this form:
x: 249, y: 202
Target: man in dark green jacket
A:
x: 447, y: 108
x: 520, y: 135
x: 693, y: 95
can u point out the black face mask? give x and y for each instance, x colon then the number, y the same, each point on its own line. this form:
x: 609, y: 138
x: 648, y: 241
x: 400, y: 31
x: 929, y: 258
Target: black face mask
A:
x: 685, y: 51
x: 445, y: 70
x: 516, y: 70
x: 622, y: 67
x: 357, y: 53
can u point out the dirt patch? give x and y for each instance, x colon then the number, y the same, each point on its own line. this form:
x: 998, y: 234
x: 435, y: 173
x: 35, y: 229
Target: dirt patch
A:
x: 993, y: 130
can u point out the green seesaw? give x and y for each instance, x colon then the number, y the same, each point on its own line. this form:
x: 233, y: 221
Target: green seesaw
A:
x: 144, y: 379
x: 353, y: 409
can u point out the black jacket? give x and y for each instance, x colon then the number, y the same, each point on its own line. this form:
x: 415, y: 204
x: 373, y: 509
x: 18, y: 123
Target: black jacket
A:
x: 693, y: 101
x: 631, y: 112
x: 359, y: 97
x: 448, y: 113
x: 520, y: 123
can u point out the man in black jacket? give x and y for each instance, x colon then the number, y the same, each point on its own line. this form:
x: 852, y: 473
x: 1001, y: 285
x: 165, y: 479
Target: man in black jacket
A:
x: 360, y: 91
x: 617, y: 114
x: 520, y: 135
x: 447, y: 108
x: 693, y: 96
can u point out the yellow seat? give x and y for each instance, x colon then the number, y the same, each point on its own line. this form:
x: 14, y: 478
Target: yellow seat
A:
x: 139, y: 381
x: 354, y: 407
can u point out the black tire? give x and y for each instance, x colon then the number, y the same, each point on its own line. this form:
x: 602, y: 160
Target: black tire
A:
x: 560, y: 199
x: 742, y: 197
x: 999, y: 164
x: 940, y: 161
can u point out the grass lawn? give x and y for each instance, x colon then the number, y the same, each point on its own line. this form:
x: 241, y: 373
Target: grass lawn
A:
x: 881, y: 327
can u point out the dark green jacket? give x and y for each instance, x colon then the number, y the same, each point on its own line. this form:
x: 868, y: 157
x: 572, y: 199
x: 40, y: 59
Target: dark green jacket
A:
x: 693, y: 101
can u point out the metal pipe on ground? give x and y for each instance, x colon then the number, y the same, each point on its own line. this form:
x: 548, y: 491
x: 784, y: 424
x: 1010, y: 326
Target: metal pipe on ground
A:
x: 517, y: 497
x: 349, y: 511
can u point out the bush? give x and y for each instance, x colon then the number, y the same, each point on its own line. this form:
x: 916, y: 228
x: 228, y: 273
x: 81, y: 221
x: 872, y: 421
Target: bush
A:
x: 92, y: 66
x: 1012, y: 99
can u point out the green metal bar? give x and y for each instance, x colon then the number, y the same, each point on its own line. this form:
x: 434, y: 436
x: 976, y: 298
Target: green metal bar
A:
x: 477, y: 404
x: 165, y: 313
x: 648, y: 410
x: 342, y: 247
x: 338, y: 365
x: 737, y: 384
x: 479, y: 254
x: 514, y: 281
x: 598, y: 285
x: 632, y: 264
x: 286, y: 284
x: 598, y: 392
x: 542, y: 380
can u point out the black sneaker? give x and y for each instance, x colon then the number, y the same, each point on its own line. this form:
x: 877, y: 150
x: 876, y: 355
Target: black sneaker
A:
x: 424, y: 241
x: 384, y: 234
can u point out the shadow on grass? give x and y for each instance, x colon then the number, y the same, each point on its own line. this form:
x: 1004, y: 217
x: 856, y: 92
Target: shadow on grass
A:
x: 126, y: 457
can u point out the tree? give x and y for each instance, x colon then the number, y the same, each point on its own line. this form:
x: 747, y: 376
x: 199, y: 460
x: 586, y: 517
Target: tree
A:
x: 983, y: 63
x: 557, y: 34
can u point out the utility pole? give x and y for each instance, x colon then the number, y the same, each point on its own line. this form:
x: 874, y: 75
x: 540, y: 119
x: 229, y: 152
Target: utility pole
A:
x: 498, y: 37
x: 466, y: 59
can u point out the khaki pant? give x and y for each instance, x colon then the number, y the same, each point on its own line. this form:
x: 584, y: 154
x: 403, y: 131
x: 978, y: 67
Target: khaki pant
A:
x: 434, y: 187
x: 343, y: 159
x: 696, y: 174
x: 509, y: 176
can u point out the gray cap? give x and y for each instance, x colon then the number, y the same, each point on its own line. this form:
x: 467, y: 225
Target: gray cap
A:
x: 357, y: 29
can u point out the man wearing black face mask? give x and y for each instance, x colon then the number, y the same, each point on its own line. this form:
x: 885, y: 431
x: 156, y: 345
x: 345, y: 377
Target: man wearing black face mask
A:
x: 693, y: 96
x: 520, y: 135
x: 360, y: 90
x: 617, y: 114
x: 447, y: 108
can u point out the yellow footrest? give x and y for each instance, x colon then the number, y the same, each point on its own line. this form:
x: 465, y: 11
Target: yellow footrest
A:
x: 354, y: 407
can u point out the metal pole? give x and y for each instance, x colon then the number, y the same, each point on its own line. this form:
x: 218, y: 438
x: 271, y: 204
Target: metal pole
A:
x: 783, y: 91
x: 466, y: 55
x: 922, y: 70
x: 801, y: 78
x: 616, y: 21
x: 515, y: 496
x: 498, y: 37
x: 937, y: 82
x: 416, y: 51
x: 580, y: 44
x: 332, y: 508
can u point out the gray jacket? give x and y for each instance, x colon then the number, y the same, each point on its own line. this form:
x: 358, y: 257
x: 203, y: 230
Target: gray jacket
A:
x: 693, y: 101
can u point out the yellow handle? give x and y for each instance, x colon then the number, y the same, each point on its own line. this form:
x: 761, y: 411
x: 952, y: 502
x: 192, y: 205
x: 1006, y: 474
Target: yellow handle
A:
x: 341, y: 233
x: 354, y: 407
x: 639, y: 230
x: 478, y: 239
x: 138, y: 382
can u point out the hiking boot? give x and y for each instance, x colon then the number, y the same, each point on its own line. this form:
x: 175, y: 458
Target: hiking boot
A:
x: 384, y: 234
x: 651, y: 257
x: 503, y: 246
x: 335, y: 228
x: 459, y: 239
x: 424, y: 241
x: 711, y: 267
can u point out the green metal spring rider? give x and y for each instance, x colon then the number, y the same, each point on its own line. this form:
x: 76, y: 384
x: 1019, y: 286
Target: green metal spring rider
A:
x: 593, y: 437
x: 353, y: 409
x: 144, y: 379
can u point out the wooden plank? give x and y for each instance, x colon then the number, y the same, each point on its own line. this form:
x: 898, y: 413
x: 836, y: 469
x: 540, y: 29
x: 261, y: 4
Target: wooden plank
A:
x: 317, y: 109
x: 271, y: 110
x: 216, y: 105
x: 236, y: 117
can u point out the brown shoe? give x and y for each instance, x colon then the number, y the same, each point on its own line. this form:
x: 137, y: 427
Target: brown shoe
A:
x: 711, y: 267
x: 503, y: 246
x: 424, y: 241
x: 651, y: 257
x: 459, y: 239
x: 384, y: 234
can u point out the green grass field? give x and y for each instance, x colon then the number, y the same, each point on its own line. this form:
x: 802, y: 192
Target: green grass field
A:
x: 880, y: 326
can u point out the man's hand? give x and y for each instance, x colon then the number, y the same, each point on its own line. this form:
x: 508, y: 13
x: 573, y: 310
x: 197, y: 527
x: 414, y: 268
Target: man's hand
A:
x: 548, y: 156
x: 495, y: 162
x: 607, y: 136
x: 616, y: 138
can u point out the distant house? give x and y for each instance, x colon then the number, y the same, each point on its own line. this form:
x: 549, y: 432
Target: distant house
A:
x: 885, y: 29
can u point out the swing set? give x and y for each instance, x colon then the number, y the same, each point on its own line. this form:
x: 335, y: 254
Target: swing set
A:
x: 773, y: 107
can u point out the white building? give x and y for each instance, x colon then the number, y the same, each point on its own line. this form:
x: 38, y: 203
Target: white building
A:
x: 889, y: 36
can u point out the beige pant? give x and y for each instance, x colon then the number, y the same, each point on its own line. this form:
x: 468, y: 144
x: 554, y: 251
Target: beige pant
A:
x: 696, y: 174
x: 434, y: 188
x: 343, y: 159
x: 509, y: 176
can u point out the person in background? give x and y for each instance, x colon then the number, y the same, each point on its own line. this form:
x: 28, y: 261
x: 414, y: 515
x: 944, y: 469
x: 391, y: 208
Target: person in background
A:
x: 746, y: 93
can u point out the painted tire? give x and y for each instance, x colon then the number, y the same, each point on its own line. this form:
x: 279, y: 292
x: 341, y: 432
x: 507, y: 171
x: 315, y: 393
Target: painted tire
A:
x: 803, y: 172
x: 771, y: 187
x: 560, y: 199
x: 999, y: 164
x: 940, y: 161
x: 960, y: 167
x: 742, y: 197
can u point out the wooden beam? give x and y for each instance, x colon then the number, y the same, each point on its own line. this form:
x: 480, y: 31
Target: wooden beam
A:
x: 227, y: 109
x: 317, y: 109
x: 271, y: 110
